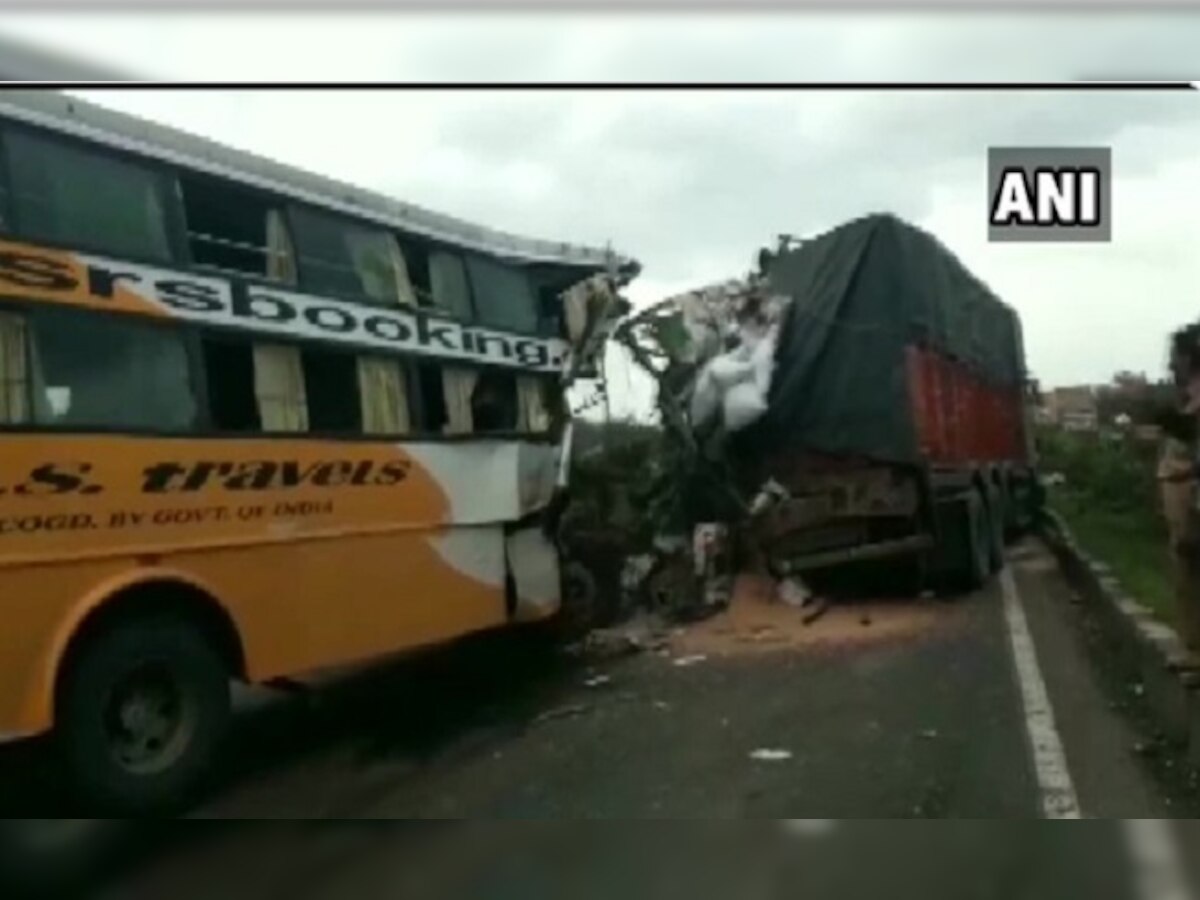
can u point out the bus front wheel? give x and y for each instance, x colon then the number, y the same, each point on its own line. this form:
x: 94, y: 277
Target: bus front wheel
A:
x: 143, y: 709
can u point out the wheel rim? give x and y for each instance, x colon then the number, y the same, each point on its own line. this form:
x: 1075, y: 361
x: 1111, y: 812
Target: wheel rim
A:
x: 148, y: 719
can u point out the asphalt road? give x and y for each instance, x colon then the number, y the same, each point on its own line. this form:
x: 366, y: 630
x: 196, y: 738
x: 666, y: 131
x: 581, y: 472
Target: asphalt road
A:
x: 977, y: 860
x: 888, y: 709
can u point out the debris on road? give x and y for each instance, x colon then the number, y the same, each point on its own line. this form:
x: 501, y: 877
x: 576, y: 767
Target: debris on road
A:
x: 757, y: 623
x: 610, y: 644
x: 684, y: 662
x: 820, y: 606
x: 598, y: 681
x: 794, y: 593
x: 929, y: 734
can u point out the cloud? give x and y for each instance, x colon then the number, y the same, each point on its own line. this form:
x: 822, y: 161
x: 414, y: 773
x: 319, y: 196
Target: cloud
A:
x: 717, y: 46
x: 1089, y: 310
x: 694, y: 183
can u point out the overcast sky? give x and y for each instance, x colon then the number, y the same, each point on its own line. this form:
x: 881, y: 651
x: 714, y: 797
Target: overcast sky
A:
x: 693, y: 184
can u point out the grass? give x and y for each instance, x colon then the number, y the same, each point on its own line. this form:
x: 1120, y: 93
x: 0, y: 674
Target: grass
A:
x: 1132, y: 543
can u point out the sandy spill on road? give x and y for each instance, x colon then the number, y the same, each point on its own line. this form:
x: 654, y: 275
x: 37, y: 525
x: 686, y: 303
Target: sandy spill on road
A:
x: 757, y: 622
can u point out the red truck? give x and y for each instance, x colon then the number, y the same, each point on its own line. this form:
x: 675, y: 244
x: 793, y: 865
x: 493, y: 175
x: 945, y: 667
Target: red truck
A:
x: 897, y: 418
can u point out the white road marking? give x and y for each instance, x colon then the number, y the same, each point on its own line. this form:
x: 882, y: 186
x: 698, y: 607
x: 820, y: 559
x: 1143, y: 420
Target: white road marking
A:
x: 1158, y: 870
x: 1059, y: 800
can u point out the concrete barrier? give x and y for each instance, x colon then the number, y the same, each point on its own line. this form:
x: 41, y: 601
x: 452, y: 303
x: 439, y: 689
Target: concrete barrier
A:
x: 1146, y: 645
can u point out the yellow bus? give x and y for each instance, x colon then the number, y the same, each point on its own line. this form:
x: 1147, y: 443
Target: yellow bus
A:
x: 255, y: 424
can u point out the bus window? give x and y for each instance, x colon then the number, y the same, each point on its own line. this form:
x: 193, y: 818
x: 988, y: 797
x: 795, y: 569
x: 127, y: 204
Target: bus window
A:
x: 449, y: 285
x: 435, y: 413
x: 345, y: 259
x: 236, y: 230
x: 255, y: 387
x: 459, y: 387
x: 462, y: 401
x: 14, y: 371
x: 229, y: 370
x: 494, y: 402
x: 279, y: 388
x: 417, y: 256
x: 504, y: 295
x: 98, y: 371
x: 534, y: 413
x: 383, y: 394
x: 66, y: 194
x: 332, y: 392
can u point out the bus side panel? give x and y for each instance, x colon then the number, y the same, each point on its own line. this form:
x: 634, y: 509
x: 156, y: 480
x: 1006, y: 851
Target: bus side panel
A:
x: 323, y: 553
x: 297, y: 606
x: 330, y: 603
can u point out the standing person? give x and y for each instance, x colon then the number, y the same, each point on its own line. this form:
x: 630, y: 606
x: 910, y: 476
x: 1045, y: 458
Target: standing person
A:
x: 1177, y: 470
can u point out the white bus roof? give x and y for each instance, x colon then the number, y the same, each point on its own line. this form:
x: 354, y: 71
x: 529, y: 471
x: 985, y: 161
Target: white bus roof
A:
x: 70, y: 115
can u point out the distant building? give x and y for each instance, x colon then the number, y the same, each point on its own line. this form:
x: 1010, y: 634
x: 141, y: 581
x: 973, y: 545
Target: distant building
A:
x: 1130, y: 384
x: 1073, y: 408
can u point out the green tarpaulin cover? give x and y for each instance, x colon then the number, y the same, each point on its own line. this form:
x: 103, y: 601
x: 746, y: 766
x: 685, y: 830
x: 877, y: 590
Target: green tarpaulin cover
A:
x: 860, y: 295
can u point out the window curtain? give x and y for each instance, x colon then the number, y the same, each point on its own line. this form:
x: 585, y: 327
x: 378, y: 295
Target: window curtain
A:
x: 279, y: 388
x: 281, y: 258
x: 459, y: 387
x: 531, y: 401
x: 14, y: 371
x: 406, y: 294
x: 384, y: 392
x: 381, y: 267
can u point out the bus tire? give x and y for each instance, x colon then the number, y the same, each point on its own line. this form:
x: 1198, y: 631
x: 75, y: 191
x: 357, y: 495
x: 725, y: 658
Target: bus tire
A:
x: 143, y: 710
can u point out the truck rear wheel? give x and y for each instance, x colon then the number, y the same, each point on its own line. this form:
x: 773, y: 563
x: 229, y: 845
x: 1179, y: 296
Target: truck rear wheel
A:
x: 977, y: 566
x: 143, y: 709
x: 961, y: 560
x: 997, y: 516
